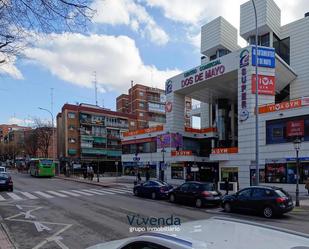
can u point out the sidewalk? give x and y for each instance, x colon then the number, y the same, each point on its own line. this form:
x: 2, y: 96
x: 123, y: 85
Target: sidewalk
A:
x: 103, y: 181
x: 5, y: 242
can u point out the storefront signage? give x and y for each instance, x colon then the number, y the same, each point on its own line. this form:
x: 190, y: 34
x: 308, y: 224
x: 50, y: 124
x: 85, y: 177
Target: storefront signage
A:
x: 174, y: 140
x: 181, y: 153
x: 230, y: 150
x: 168, y: 106
x: 143, y: 131
x: 168, y: 86
x: 204, y: 72
x: 301, y: 159
x: 266, y: 57
x: 203, y: 130
x: 296, y: 103
x: 305, y: 101
x: 243, y: 64
x: 295, y: 128
x: 266, y: 84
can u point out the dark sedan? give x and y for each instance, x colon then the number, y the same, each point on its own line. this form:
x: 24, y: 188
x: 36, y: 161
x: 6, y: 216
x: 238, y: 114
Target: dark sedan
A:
x: 153, y: 189
x: 265, y: 200
x: 6, y: 182
x: 197, y: 193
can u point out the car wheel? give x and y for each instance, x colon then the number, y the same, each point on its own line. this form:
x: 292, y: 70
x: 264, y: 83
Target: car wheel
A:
x: 268, y: 212
x: 227, y: 207
x: 135, y: 192
x: 172, y: 198
x: 198, y: 203
x: 153, y: 195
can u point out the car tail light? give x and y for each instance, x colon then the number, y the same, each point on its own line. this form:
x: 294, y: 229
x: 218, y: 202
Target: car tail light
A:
x: 280, y: 200
x: 206, y: 194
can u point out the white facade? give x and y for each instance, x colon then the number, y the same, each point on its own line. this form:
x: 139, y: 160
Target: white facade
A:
x: 223, y: 85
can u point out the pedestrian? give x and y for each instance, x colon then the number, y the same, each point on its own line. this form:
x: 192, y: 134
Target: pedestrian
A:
x: 307, y: 186
x: 91, y: 173
x: 88, y: 172
x: 147, y: 175
x: 139, y: 179
x: 226, y: 186
x: 85, y: 173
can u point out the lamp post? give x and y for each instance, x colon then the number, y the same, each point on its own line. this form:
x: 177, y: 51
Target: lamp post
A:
x: 116, y: 165
x: 161, y: 176
x: 257, y: 170
x: 53, y: 134
x: 297, y: 143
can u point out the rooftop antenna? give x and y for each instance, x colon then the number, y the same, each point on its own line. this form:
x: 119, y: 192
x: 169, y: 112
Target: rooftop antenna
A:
x: 95, y: 87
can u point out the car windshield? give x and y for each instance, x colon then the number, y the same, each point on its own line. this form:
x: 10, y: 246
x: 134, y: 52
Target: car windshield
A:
x: 207, y: 187
x: 4, y: 176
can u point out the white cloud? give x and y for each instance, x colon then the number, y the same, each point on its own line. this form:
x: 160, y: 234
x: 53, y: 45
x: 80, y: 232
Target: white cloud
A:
x: 9, y: 68
x: 198, y: 12
x: 128, y: 12
x: 116, y: 60
x: 21, y: 122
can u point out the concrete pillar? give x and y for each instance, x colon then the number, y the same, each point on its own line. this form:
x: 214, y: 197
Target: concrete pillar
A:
x: 233, y: 123
x: 176, y: 117
x: 204, y: 115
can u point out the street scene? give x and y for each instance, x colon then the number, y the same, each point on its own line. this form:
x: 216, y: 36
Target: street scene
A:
x: 153, y: 124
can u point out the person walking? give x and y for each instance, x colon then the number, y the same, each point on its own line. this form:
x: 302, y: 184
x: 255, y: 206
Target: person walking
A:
x: 226, y: 186
x: 91, y: 173
x: 307, y: 186
x: 147, y: 175
x: 139, y: 179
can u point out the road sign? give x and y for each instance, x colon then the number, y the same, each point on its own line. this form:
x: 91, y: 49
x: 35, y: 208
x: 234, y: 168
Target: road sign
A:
x: 194, y: 169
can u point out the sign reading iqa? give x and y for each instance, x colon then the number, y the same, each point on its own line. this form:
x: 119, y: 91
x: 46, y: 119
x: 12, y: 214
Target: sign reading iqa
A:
x: 204, y: 72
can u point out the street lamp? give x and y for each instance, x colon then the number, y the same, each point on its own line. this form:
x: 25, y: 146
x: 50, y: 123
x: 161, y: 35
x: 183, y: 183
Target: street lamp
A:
x: 161, y: 176
x: 53, y: 130
x: 257, y: 170
x: 116, y: 165
x: 297, y: 143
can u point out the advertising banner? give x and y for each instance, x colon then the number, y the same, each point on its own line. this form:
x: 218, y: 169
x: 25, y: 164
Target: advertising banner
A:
x: 266, y: 57
x: 295, y: 128
x: 173, y: 140
x: 181, y: 153
x: 266, y: 84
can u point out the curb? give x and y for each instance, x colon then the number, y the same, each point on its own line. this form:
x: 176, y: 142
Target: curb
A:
x: 91, y: 183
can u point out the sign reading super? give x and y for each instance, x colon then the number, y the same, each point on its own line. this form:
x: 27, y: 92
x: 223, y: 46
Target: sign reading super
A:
x: 204, y: 72
x: 266, y: 57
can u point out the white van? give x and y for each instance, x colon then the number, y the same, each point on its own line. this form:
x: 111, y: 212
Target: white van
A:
x: 2, y: 169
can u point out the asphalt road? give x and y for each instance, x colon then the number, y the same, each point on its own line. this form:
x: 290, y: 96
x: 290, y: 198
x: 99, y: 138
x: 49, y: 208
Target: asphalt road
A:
x: 52, y: 213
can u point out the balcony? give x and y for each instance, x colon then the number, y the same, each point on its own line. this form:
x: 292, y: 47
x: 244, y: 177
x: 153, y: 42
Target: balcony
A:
x: 93, y: 151
x: 154, y: 99
x: 117, y: 125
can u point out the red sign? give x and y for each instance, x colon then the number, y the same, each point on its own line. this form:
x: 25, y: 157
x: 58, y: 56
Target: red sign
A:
x: 203, y: 130
x: 181, y: 153
x: 295, y: 128
x: 168, y: 106
x: 266, y: 84
x: 143, y: 131
x: 224, y: 150
x: 296, y: 103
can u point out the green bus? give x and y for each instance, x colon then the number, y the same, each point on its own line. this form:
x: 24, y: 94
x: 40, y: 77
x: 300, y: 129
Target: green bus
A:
x: 42, y: 167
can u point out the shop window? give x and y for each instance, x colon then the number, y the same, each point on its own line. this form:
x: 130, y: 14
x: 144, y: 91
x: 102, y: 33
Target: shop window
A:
x: 246, y: 193
x: 275, y: 173
x: 177, y: 172
x: 71, y: 115
x: 141, y: 114
x: 261, y: 176
x: 229, y: 173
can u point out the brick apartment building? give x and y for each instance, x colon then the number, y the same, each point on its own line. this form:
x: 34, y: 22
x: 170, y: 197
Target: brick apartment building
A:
x: 89, y: 134
x: 148, y: 104
x: 5, y: 129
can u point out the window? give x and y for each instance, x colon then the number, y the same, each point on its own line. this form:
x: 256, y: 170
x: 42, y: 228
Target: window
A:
x: 194, y: 187
x: 177, y: 172
x: 264, y: 40
x: 143, y: 245
x: 141, y: 104
x: 132, y: 123
x: 71, y: 115
x: 71, y: 127
x: 258, y: 193
x: 246, y: 193
x: 282, y: 48
x: 72, y: 140
x: 212, y: 57
x: 184, y: 187
x: 275, y: 173
x: 141, y: 93
x: 141, y: 114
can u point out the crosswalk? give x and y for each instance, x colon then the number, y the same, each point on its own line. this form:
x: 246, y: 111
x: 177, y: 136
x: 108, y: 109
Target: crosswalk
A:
x: 65, y: 193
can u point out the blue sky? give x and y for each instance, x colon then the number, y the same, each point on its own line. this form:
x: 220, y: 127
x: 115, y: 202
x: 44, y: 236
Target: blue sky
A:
x: 146, y: 41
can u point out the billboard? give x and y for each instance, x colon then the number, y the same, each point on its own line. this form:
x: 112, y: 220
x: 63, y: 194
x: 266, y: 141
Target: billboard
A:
x: 295, y: 128
x: 266, y: 57
x: 266, y: 84
x: 173, y: 140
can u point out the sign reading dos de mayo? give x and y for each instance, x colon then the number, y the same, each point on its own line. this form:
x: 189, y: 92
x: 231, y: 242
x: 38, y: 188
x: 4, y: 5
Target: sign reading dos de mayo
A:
x: 204, y: 72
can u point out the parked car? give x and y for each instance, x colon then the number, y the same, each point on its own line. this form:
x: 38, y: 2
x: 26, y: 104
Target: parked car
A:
x: 198, y: 193
x: 214, y: 233
x: 2, y: 169
x: 6, y: 182
x: 153, y: 189
x: 265, y: 200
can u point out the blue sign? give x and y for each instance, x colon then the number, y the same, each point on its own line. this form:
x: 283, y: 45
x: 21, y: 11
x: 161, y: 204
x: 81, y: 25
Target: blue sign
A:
x: 293, y: 159
x: 168, y: 86
x: 266, y: 57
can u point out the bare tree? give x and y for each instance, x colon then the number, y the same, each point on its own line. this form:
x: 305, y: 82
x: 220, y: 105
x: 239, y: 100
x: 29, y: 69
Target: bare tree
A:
x: 20, y: 18
x: 44, y: 133
x: 32, y: 143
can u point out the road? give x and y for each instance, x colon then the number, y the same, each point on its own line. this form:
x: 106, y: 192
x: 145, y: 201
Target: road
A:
x: 53, y: 213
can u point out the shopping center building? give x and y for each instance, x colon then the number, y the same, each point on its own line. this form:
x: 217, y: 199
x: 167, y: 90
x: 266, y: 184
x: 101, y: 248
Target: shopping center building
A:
x: 224, y: 83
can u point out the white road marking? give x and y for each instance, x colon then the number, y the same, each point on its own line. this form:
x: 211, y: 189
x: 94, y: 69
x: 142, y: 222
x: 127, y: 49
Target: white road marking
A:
x: 19, y: 207
x: 93, y: 192
x: 103, y: 191
x: 69, y: 193
x: 1, y: 198
x: 117, y: 191
x: 28, y: 195
x: 14, y: 196
x: 56, y: 193
x: 40, y: 227
x: 28, y: 215
x: 44, y: 194
x: 82, y: 193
